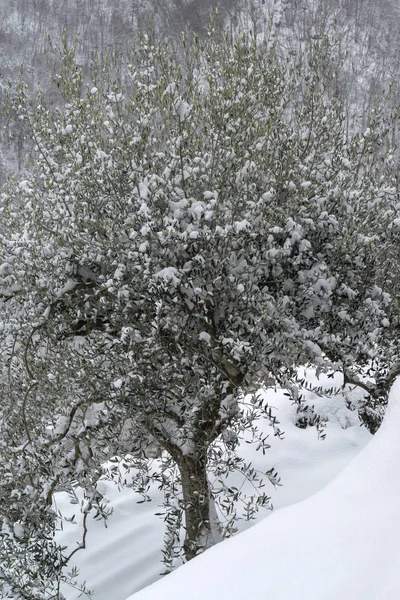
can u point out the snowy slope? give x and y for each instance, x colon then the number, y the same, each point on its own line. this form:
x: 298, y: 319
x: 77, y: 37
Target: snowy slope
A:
x: 340, y: 544
x: 119, y: 559
x: 126, y: 556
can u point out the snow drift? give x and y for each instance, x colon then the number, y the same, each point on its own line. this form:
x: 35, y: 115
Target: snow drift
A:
x: 340, y: 544
x: 126, y: 557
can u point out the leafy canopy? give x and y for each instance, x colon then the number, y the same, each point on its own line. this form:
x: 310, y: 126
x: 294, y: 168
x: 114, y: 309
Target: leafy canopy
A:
x: 191, y: 222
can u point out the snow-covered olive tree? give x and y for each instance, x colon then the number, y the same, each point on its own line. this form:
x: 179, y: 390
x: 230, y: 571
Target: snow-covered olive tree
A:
x: 189, y: 225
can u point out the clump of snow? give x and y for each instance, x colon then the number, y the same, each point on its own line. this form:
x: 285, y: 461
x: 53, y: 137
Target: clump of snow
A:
x: 168, y: 275
x: 68, y: 129
x: 19, y: 531
x: 183, y: 110
x: 205, y: 337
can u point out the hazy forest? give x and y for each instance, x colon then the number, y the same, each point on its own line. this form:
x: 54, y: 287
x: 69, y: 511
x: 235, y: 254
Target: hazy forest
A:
x: 367, y: 32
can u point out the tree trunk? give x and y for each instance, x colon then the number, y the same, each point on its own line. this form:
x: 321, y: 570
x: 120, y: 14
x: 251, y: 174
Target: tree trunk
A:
x: 196, y: 499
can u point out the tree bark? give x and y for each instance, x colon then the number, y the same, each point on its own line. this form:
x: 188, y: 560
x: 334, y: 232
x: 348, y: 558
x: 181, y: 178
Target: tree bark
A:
x: 196, y: 499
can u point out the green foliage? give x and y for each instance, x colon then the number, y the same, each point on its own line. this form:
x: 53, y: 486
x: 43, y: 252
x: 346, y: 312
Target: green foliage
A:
x: 189, y: 225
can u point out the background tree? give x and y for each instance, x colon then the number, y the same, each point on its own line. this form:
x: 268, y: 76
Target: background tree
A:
x: 187, y: 227
x: 365, y: 32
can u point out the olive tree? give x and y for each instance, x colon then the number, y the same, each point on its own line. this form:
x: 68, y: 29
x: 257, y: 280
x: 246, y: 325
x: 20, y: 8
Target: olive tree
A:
x: 188, y: 226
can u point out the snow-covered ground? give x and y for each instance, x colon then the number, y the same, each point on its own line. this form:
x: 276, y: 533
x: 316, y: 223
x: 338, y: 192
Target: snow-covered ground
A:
x: 126, y: 556
x: 340, y: 544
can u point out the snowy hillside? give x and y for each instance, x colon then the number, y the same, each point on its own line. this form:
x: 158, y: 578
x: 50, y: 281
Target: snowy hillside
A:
x: 126, y: 556
x: 342, y: 543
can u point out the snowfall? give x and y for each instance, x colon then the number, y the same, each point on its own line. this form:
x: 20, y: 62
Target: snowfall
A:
x: 334, y: 533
